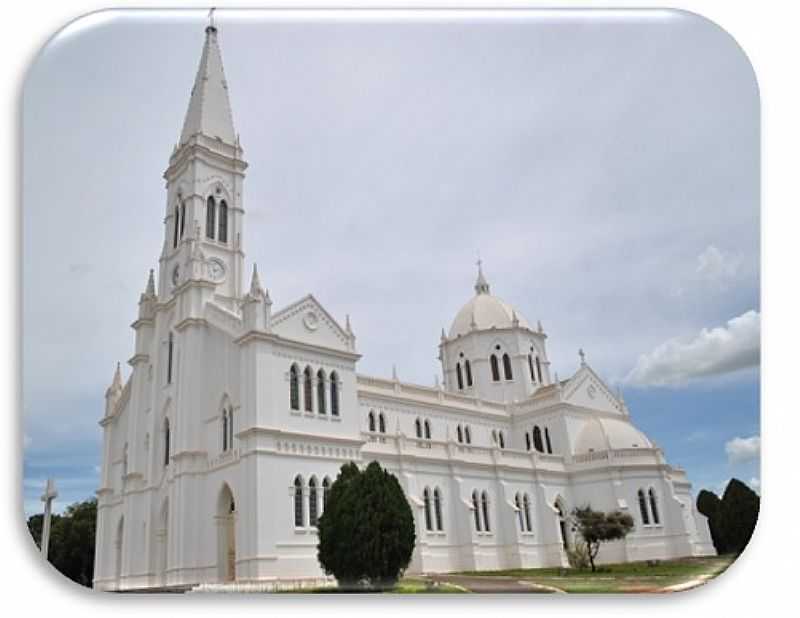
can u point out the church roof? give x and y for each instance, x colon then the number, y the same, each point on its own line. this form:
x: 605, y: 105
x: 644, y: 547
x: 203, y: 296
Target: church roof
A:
x: 209, y: 109
x: 485, y: 311
x: 600, y: 434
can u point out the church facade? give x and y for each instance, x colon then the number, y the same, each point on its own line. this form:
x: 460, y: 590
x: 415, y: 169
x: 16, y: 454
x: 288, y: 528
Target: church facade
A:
x: 220, y: 447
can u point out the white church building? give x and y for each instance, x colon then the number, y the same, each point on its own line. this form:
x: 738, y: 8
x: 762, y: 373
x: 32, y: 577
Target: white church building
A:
x: 220, y: 447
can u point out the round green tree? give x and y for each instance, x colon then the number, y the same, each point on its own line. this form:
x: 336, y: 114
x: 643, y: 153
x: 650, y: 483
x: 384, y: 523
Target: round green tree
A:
x: 366, y: 533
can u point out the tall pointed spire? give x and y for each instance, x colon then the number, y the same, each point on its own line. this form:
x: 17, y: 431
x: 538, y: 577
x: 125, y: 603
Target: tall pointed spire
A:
x: 481, y: 285
x: 209, y: 109
x: 256, y: 291
x: 150, y: 290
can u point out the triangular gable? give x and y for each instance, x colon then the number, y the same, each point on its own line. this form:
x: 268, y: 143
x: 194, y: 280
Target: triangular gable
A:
x: 307, y: 321
x: 587, y: 390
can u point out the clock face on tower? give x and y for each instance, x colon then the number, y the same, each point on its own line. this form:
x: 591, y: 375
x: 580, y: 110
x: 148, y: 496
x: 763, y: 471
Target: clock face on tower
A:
x: 216, y: 270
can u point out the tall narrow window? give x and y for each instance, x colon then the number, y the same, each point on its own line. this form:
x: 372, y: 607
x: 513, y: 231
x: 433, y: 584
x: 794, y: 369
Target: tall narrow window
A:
x: 654, y: 506
x: 381, y: 423
x: 183, y: 218
x: 495, y: 368
x: 643, y: 508
x: 501, y: 440
x: 518, y: 504
x: 507, y: 367
x: 485, y: 504
x: 427, y: 429
x: 308, y: 390
x: 530, y: 366
x: 476, y: 509
x: 537, y: 439
x: 223, y: 222
x: 418, y: 427
x: 230, y: 427
x: 176, y: 227
x: 170, y: 351
x: 321, y: 408
x: 312, y: 501
x: 211, y: 217
x: 334, y: 394
x: 224, y: 430
x: 526, y: 504
x: 437, y: 508
x: 459, y: 377
x: 294, y: 388
x: 371, y: 420
x: 468, y: 371
x: 326, y: 488
x: 467, y: 435
x: 527, y: 441
x: 298, y: 501
x: 426, y: 497
x: 460, y: 434
x: 166, y: 442
x: 494, y: 436
x: 547, y: 441
x: 539, y: 369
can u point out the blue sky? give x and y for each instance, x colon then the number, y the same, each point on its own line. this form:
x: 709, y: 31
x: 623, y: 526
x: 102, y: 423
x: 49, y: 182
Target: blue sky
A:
x: 607, y: 169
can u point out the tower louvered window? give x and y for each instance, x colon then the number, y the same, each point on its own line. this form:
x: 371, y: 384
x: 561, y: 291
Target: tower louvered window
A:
x: 223, y: 222
x: 211, y: 217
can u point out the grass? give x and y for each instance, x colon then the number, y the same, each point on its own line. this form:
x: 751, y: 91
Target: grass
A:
x: 623, y: 577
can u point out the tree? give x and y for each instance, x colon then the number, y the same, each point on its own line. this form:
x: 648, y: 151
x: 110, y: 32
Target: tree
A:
x: 596, y: 527
x: 366, y: 533
x: 709, y: 504
x: 71, y: 548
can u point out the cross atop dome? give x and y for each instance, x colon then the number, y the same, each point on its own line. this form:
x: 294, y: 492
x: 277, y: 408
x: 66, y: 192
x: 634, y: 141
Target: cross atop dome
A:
x: 481, y: 285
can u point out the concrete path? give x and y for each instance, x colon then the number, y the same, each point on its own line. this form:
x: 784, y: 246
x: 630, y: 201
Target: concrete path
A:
x: 492, y: 585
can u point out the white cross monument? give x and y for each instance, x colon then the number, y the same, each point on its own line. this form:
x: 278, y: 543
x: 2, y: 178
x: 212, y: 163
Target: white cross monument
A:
x: 48, y: 496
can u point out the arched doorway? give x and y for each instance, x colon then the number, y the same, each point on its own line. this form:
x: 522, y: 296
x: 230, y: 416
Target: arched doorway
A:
x: 562, y: 525
x: 226, y: 535
x: 118, y: 553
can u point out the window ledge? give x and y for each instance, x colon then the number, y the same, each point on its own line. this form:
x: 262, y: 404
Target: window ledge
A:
x: 294, y: 412
x: 336, y: 419
x: 300, y: 530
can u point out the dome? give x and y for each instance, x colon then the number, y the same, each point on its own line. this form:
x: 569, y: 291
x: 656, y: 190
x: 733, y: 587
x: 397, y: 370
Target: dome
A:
x: 485, y: 311
x: 600, y: 434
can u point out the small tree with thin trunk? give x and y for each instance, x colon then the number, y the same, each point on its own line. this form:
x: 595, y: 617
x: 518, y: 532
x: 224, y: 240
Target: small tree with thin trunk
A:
x: 596, y: 527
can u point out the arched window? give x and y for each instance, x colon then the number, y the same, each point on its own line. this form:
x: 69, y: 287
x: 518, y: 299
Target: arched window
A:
x: 170, y: 354
x: 518, y: 504
x: 643, y: 508
x: 418, y: 427
x: 312, y: 501
x: 537, y: 439
x: 326, y: 488
x: 427, y: 429
x: 467, y: 435
x: 547, y: 441
x: 495, y: 368
x: 526, y: 504
x: 308, y: 390
x: 527, y: 441
x: 371, y: 418
x: 183, y: 218
x: 223, y: 222
x: 298, y: 501
x: 224, y: 430
x: 321, y: 408
x: 334, y: 394
x: 211, y: 217
x: 437, y: 508
x: 381, y: 423
x: 476, y: 510
x: 507, y: 367
x: 654, y: 506
x: 294, y: 388
x: 176, y: 227
x: 426, y: 496
x: 460, y: 434
x: 530, y: 366
x: 468, y: 371
x: 539, y: 369
x: 166, y: 442
x: 501, y: 439
x: 485, y: 505
x: 230, y: 427
x: 459, y: 377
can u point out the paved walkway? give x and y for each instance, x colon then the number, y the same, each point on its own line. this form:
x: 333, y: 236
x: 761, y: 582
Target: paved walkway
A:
x: 492, y: 585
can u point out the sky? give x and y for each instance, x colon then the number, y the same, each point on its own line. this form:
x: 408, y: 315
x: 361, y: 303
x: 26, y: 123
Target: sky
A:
x: 605, y: 166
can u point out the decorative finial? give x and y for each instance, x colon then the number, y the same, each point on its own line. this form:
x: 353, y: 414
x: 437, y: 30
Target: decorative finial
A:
x: 150, y: 290
x: 256, y: 291
x: 539, y: 326
x: 347, y: 326
x: 582, y: 354
x: 443, y: 336
x: 394, y: 373
x: 211, y: 27
x: 481, y: 285
x: 514, y: 318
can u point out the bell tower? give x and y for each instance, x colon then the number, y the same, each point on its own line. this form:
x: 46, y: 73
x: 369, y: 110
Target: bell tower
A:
x: 204, y: 213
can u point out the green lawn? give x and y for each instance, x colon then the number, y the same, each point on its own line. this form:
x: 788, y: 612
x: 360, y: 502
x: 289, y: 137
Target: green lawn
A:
x: 624, y: 577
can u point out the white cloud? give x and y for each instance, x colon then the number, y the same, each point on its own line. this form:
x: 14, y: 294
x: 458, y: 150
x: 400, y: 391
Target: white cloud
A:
x: 715, y: 351
x: 740, y: 450
x: 755, y: 485
x: 717, y: 266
